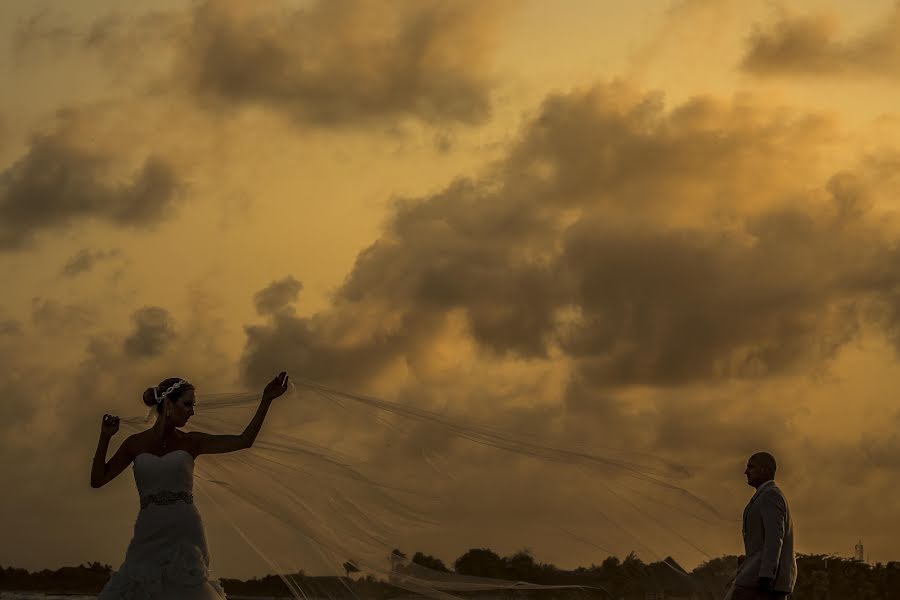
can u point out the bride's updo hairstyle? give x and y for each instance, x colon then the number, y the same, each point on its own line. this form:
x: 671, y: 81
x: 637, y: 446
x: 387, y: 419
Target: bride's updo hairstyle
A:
x: 171, y: 388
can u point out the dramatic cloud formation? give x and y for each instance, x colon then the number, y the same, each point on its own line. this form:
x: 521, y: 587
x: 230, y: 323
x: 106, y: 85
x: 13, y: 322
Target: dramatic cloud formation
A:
x: 594, y: 266
x: 277, y: 295
x: 330, y: 64
x: 346, y: 62
x: 597, y: 237
x: 57, y: 184
x: 811, y: 45
x: 153, y: 331
x: 643, y: 275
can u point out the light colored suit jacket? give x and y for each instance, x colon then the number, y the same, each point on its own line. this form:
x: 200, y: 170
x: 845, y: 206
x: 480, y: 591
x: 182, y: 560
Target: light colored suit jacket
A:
x: 768, y: 541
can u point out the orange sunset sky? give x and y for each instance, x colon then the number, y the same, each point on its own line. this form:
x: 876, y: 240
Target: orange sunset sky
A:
x: 668, y: 227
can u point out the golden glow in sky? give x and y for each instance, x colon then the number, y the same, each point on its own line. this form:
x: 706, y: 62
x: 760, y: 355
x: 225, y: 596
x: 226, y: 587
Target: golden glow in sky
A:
x: 672, y: 223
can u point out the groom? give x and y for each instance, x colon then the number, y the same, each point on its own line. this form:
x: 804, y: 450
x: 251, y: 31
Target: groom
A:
x: 769, y: 570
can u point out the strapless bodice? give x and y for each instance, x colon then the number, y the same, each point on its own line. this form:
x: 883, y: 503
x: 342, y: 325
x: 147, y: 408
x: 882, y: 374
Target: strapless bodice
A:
x: 168, y: 557
x: 172, y: 472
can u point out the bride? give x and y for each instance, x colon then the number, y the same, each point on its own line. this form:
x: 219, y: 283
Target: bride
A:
x: 167, y: 557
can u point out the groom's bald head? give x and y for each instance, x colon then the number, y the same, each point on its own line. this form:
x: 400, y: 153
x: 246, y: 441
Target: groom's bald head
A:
x: 761, y: 468
x: 766, y: 461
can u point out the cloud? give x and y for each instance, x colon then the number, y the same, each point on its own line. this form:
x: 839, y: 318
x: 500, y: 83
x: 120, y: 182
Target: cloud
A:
x: 649, y: 246
x: 681, y: 306
x: 129, y: 45
x: 811, y: 45
x: 277, y: 295
x: 85, y: 261
x: 41, y: 28
x: 884, y: 451
x: 52, y: 317
x: 10, y: 327
x: 629, y: 275
x: 55, y: 394
x: 17, y: 383
x: 57, y: 184
x: 153, y: 331
x: 348, y: 62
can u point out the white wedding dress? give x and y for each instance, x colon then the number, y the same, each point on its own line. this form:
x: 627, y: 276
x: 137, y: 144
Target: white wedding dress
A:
x: 167, y: 558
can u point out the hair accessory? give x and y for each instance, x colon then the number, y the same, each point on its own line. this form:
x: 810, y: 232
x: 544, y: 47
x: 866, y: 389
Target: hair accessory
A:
x: 160, y: 397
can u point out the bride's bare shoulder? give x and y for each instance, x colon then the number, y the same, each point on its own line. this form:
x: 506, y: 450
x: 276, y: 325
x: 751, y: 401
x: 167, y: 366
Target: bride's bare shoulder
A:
x: 193, y: 437
x: 140, y: 435
x: 135, y: 443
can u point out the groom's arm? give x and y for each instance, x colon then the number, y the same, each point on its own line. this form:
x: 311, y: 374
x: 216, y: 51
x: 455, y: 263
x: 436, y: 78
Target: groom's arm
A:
x: 774, y: 517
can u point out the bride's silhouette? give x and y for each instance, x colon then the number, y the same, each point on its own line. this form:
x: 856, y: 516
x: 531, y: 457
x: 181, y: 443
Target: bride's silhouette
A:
x: 168, y: 557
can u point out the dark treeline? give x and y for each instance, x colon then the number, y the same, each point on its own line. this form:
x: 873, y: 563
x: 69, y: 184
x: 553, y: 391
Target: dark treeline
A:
x: 821, y: 578
x: 87, y: 578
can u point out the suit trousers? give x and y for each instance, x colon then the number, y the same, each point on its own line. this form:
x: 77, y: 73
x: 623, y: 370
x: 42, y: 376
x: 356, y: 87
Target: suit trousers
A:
x: 743, y: 593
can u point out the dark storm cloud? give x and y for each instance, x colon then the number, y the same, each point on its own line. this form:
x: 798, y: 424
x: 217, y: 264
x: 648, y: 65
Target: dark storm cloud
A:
x: 85, y: 261
x: 307, y: 346
x: 812, y: 45
x: 346, y: 62
x: 153, y: 330
x: 618, y: 150
x: 673, y: 307
x: 575, y: 244
x: 55, y: 185
x: 332, y: 64
x: 277, y: 295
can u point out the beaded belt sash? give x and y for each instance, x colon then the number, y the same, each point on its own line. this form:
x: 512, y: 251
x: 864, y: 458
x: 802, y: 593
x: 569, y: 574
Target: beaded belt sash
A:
x: 167, y: 497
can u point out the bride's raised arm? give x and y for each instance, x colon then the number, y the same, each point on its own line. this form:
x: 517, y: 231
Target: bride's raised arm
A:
x: 102, y: 472
x: 217, y: 444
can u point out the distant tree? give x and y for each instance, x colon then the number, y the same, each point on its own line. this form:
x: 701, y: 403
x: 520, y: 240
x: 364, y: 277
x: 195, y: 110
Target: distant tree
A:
x: 430, y: 562
x: 724, y: 566
x: 713, y: 576
x: 521, y: 566
x: 481, y: 562
x: 610, y: 566
x: 820, y: 577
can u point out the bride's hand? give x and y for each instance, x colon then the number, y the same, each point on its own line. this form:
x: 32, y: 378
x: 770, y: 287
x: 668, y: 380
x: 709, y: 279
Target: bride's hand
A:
x: 276, y: 387
x: 110, y: 425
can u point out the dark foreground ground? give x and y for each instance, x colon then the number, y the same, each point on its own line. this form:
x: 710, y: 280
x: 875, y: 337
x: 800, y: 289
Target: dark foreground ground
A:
x: 820, y: 578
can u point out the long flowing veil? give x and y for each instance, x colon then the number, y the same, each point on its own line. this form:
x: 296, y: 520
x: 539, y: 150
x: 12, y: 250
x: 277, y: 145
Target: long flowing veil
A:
x: 346, y: 503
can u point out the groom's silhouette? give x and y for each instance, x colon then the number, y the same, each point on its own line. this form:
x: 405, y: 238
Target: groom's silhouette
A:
x: 769, y: 570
